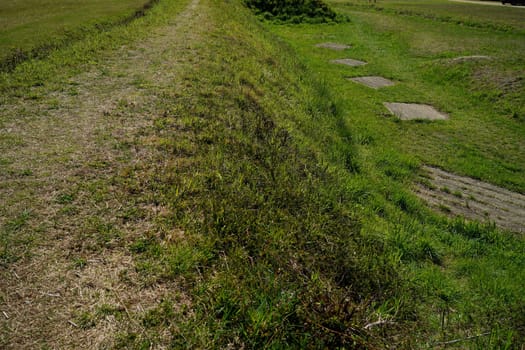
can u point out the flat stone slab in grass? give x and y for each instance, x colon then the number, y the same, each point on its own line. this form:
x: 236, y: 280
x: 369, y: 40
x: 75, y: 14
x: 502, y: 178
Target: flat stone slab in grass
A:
x: 333, y: 46
x: 413, y: 111
x: 473, y: 199
x: 470, y: 58
x: 348, y: 62
x: 373, y: 82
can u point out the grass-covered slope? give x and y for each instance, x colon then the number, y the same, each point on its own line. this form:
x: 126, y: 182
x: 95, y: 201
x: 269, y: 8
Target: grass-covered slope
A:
x: 301, y: 242
x: 470, y: 276
x: 245, y: 161
x: 274, y: 253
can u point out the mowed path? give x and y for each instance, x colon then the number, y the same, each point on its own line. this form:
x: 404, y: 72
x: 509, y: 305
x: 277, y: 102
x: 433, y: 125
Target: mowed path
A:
x: 69, y: 198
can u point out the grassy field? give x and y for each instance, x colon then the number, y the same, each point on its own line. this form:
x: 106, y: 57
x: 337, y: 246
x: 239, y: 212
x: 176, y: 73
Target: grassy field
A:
x: 482, y: 139
x: 27, y: 25
x: 505, y: 18
x: 197, y: 179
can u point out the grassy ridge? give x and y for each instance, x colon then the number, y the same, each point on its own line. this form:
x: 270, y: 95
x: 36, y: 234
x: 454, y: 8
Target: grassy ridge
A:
x: 264, y: 200
x: 300, y: 239
x: 250, y: 157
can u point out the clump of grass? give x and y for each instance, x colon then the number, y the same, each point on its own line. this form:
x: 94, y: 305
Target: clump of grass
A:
x: 12, y: 242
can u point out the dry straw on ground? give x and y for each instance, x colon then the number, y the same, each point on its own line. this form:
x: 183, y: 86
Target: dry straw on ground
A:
x: 80, y: 264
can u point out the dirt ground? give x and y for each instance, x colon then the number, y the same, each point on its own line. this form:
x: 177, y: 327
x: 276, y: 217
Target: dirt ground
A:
x: 70, y: 156
x: 472, y: 199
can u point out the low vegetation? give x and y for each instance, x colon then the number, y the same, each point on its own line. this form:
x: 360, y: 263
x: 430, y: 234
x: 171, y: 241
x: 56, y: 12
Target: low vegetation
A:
x: 261, y: 200
x: 420, y: 54
x: 295, y: 11
x: 34, y: 28
x: 500, y: 19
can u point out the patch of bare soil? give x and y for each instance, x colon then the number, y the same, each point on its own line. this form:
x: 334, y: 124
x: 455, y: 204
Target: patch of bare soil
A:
x: 414, y: 111
x: 373, y: 82
x: 349, y: 62
x: 508, y: 82
x: 473, y: 199
x: 333, y: 46
x: 75, y: 191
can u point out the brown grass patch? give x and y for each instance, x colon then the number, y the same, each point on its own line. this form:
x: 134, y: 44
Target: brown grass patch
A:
x: 80, y: 166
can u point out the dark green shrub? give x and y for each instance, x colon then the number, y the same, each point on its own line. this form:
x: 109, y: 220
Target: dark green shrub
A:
x: 294, y: 11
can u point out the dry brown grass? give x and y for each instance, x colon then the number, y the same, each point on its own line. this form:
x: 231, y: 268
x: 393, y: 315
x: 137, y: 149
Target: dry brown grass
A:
x: 505, y: 82
x: 79, y: 160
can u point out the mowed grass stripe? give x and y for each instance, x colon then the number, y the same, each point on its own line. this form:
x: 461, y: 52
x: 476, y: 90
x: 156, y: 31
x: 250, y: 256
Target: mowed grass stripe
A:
x: 88, y: 150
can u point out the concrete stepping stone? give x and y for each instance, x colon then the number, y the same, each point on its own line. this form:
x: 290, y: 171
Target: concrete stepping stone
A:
x: 413, y: 111
x: 373, y: 82
x: 470, y: 58
x: 348, y: 62
x: 333, y: 46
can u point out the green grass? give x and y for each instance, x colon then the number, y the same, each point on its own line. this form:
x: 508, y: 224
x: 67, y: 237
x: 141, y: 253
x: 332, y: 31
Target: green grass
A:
x: 269, y: 223
x: 32, y: 24
x: 483, y: 139
x: 505, y: 18
x: 290, y: 188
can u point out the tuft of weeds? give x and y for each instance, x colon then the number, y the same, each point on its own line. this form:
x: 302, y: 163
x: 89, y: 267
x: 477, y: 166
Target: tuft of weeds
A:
x: 79, y: 263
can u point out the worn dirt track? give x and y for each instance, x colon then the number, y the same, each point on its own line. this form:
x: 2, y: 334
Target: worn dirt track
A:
x: 473, y: 199
x: 77, y: 151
